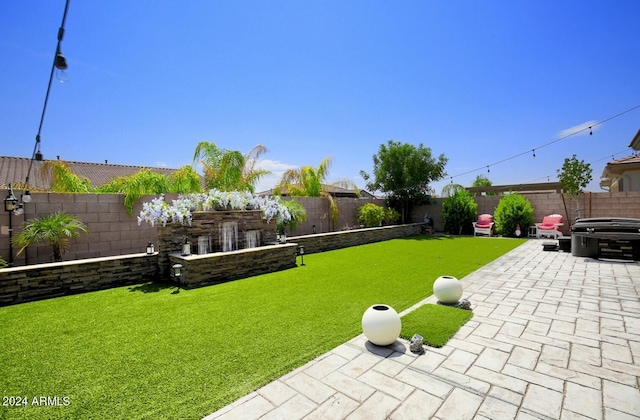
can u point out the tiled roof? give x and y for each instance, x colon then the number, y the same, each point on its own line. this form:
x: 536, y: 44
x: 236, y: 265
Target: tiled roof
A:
x: 626, y: 160
x: 331, y: 189
x: 13, y: 170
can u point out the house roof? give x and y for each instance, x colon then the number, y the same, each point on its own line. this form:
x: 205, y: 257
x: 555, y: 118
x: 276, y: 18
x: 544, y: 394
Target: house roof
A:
x: 533, y: 187
x: 621, y: 165
x: 635, y: 141
x: 331, y: 189
x: 13, y: 170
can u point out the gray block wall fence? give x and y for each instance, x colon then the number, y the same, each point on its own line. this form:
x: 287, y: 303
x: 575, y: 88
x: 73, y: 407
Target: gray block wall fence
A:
x: 112, y: 231
x: 112, y: 254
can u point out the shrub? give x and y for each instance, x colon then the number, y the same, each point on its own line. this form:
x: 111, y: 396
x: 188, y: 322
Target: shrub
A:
x: 371, y: 215
x: 3, y: 263
x: 458, y: 212
x: 391, y: 216
x: 513, y: 210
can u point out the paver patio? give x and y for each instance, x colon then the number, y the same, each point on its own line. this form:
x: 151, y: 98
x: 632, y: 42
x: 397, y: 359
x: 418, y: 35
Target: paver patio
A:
x: 553, y: 336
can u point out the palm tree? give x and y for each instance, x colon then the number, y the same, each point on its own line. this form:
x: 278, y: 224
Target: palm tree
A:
x: 54, y: 229
x: 229, y: 170
x: 310, y: 182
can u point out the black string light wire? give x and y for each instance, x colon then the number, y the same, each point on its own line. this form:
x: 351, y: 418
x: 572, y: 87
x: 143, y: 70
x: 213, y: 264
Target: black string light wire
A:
x: 590, y: 163
x: 590, y: 128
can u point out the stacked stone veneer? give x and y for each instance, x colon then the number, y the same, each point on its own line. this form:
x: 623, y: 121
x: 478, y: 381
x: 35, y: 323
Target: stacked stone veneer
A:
x: 24, y: 284
x: 219, y: 267
x: 336, y: 240
x: 208, y: 223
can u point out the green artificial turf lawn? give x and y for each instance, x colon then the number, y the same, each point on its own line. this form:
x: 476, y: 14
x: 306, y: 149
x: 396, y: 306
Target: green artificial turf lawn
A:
x: 435, y: 323
x: 149, y: 352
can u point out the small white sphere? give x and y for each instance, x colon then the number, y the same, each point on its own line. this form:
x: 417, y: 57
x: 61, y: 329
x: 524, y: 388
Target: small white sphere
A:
x: 381, y: 324
x: 447, y: 289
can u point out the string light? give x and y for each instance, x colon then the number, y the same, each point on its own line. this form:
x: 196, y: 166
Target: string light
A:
x: 613, y: 157
x: 534, y: 152
x: 549, y: 143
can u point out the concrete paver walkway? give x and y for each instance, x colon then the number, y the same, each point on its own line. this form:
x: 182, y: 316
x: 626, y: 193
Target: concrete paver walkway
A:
x: 553, y: 336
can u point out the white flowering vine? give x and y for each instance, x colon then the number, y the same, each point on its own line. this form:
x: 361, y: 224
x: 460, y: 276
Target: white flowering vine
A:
x: 180, y: 210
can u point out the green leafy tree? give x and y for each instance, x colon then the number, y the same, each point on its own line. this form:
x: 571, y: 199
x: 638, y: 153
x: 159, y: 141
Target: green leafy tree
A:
x: 311, y: 182
x: 458, y: 212
x: 482, y: 181
x: 184, y: 181
x: 574, y: 176
x: 403, y: 173
x: 513, y: 210
x: 229, y: 170
x: 54, y: 229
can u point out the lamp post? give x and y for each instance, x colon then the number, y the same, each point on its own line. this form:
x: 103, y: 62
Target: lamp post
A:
x: 301, y: 253
x: 10, y: 205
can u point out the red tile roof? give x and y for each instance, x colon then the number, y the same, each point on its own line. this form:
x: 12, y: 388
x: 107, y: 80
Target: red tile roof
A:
x: 626, y: 160
x: 331, y: 189
x: 13, y: 170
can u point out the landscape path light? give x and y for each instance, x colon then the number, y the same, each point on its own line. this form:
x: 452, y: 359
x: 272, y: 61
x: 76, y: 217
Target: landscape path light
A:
x: 150, y: 249
x: 176, y: 271
x: 186, y: 247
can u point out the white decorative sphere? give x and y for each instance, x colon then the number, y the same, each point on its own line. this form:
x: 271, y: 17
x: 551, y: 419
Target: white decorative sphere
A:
x: 381, y: 324
x: 447, y: 289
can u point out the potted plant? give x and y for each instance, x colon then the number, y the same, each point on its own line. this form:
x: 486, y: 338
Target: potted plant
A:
x: 54, y: 229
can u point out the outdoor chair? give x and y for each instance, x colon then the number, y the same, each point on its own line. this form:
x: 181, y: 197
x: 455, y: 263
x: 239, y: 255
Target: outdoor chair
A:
x: 484, y: 225
x: 550, y: 226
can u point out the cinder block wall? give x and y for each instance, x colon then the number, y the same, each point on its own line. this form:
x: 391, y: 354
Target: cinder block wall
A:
x: 615, y: 204
x: 319, y: 214
x: 112, y: 231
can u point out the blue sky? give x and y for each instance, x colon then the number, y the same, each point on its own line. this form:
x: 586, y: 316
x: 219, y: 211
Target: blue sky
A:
x: 479, y: 82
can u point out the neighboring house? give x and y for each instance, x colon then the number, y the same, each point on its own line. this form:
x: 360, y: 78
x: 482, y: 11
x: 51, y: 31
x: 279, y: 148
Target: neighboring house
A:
x: 367, y: 194
x: 13, y: 170
x: 623, y: 174
x: 331, y: 189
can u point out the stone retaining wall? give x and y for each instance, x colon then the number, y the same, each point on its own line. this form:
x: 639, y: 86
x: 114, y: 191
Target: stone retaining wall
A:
x: 219, y: 267
x: 42, y: 281
x: 203, y: 223
x: 336, y: 240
